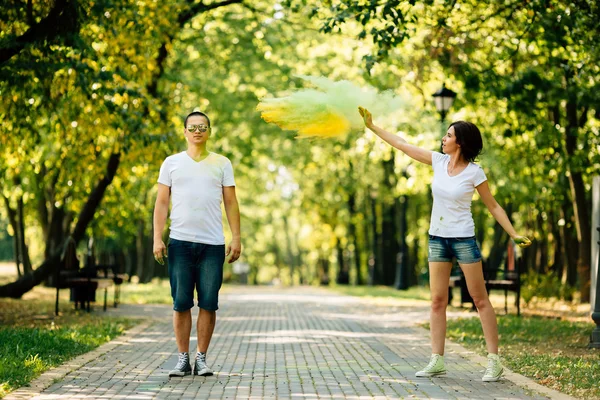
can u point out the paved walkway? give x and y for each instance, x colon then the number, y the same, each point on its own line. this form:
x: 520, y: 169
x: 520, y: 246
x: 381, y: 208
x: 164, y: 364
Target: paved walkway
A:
x: 282, y: 343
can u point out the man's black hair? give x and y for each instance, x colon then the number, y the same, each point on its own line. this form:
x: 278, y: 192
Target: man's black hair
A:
x: 196, y: 113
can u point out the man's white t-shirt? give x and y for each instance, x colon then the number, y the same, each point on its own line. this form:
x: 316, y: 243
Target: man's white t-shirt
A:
x: 452, y: 195
x: 196, y: 194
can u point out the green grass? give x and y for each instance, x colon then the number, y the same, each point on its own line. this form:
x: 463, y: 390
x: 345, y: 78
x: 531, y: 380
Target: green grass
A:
x: 414, y: 293
x: 33, y: 340
x: 27, y: 351
x: 551, y: 351
x: 156, y: 292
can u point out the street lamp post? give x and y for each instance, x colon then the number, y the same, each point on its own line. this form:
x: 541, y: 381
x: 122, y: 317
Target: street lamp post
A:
x: 443, y: 100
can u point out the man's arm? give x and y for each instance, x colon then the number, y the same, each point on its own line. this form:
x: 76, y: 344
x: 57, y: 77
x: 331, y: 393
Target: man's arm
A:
x: 161, y: 209
x: 232, y: 209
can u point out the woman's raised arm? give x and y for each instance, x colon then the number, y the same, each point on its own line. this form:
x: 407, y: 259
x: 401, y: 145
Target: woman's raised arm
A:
x: 414, y: 152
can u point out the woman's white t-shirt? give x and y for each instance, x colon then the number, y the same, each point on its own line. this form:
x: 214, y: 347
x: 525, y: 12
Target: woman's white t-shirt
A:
x: 196, y: 194
x: 452, y: 195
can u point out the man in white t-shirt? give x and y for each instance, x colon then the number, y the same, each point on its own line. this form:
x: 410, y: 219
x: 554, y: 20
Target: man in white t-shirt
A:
x: 196, y: 181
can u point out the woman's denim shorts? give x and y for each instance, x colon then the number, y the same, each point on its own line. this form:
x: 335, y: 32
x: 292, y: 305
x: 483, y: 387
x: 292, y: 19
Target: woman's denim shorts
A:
x: 464, y: 249
x: 195, y: 266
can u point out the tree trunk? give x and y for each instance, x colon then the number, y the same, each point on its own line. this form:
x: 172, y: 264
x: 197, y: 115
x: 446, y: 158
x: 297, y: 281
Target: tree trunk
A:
x: 359, y: 276
x: 570, y: 246
x: 278, y: 261
x: 28, y: 282
x: 291, y: 259
x: 377, y: 273
x: 583, y: 235
x: 389, y: 243
x: 414, y: 260
x: 140, y: 245
x: 541, y: 254
x: 23, y: 249
x: 558, y: 264
x: 390, y: 247
x: 127, y: 263
x: 42, y: 201
x: 578, y: 194
x: 17, y: 257
x: 343, y: 275
x: 367, y: 239
x: 353, y: 234
x: 403, y: 268
x: 153, y: 269
x: 12, y: 218
x: 56, y: 233
x: 24, y: 284
x: 323, y: 270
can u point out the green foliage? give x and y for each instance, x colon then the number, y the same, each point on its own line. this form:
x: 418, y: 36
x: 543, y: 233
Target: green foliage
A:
x: 551, y: 351
x: 27, y: 352
x: 526, y: 74
x: 133, y: 70
x: 544, y: 286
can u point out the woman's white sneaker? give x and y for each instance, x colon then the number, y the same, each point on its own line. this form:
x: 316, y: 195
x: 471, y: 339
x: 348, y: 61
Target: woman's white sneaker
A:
x: 494, y: 369
x: 435, y: 367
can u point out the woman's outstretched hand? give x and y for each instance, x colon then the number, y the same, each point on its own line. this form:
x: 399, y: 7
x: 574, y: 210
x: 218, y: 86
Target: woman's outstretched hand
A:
x: 522, y: 241
x: 366, y: 116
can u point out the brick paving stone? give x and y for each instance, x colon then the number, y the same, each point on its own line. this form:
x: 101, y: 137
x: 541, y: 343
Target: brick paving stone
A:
x: 298, y: 343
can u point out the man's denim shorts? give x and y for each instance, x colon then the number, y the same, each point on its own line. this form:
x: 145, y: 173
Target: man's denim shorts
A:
x: 465, y: 250
x: 195, y: 265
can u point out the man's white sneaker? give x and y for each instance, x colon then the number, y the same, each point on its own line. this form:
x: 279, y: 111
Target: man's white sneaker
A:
x: 494, y: 369
x: 435, y: 367
x: 183, y: 366
x: 200, y: 367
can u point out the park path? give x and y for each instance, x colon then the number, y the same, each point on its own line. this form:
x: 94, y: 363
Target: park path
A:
x: 299, y: 343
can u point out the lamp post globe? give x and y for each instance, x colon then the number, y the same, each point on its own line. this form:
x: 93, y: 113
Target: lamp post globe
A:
x: 443, y: 100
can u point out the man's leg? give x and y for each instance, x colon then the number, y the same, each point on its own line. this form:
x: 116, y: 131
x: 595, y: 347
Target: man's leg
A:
x: 182, y: 278
x: 209, y: 280
x: 205, y: 327
x: 182, y: 325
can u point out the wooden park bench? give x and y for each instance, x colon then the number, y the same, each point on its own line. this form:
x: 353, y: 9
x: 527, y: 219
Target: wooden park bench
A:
x: 84, y: 282
x: 510, y: 280
x: 511, y: 277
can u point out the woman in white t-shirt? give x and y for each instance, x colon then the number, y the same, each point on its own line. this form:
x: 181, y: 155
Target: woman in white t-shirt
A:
x: 452, y: 232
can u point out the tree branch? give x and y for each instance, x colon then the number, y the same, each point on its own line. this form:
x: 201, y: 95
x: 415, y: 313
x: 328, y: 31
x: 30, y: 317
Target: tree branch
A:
x: 41, y: 199
x: 160, y: 63
x: 184, y: 17
x: 60, y: 21
x: 23, y: 285
x: 89, y: 209
x: 12, y: 214
x: 30, y: 19
x: 200, y: 8
x: 583, y: 118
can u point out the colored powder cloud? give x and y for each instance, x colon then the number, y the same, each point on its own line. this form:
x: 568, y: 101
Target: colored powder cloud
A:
x: 329, y: 110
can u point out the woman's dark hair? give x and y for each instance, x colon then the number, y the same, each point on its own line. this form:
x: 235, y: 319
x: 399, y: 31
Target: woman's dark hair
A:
x: 196, y: 113
x: 469, y: 139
